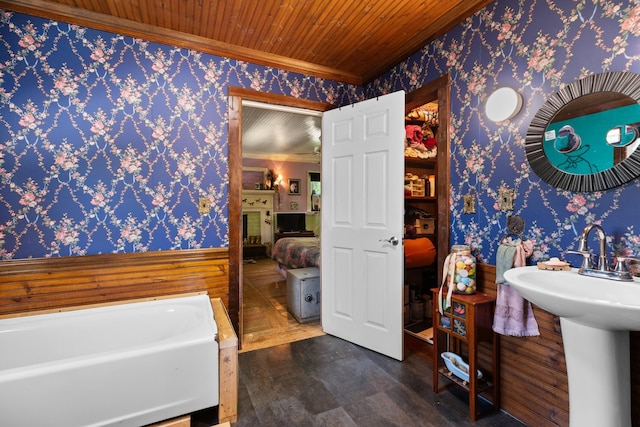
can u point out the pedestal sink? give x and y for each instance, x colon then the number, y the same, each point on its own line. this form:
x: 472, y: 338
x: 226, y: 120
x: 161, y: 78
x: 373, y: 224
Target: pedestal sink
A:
x: 596, y: 316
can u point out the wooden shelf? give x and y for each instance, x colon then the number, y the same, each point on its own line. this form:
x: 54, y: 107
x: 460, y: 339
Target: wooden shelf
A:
x: 468, y: 320
x: 426, y: 268
x: 424, y: 277
x: 482, y: 386
x: 422, y: 335
x: 419, y: 163
x: 421, y: 198
x: 417, y: 236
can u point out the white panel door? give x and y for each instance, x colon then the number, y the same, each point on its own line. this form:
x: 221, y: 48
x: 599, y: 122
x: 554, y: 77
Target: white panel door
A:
x: 362, y: 217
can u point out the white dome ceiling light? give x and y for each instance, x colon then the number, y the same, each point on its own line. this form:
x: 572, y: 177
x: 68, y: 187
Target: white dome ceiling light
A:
x: 503, y: 104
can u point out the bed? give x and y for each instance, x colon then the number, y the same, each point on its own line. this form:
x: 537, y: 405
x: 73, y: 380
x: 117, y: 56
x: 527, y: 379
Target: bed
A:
x: 297, y: 252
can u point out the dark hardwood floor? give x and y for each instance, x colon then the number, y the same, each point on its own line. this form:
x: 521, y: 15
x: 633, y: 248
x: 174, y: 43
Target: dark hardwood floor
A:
x: 326, y: 381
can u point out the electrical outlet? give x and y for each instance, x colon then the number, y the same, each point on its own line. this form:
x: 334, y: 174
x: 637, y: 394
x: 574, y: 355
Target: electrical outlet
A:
x: 204, y: 207
x: 505, y: 199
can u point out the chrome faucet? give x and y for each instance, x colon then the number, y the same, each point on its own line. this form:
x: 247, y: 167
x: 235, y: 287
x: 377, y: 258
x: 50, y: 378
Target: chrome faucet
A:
x: 583, y: 247
x: 588, y: 268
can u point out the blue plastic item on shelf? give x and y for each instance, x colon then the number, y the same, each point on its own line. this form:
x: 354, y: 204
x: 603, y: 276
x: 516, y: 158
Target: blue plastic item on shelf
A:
x: 457, y: 366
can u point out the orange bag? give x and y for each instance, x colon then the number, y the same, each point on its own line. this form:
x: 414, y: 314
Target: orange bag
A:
x: 419, y: 252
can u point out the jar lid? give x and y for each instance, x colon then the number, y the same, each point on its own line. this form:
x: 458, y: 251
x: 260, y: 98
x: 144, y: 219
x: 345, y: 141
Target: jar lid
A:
x: 460, y: 248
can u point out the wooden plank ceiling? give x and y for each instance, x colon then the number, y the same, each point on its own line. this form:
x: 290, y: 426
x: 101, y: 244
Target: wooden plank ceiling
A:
x: 353, y: 41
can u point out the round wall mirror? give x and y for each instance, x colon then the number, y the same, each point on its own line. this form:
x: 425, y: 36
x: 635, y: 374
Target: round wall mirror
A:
x: 585, y: 137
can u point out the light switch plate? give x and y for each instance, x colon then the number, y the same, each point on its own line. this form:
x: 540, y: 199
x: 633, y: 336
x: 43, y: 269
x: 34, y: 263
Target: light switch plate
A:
x: 469, y: 206
x: 505, y: 199
x: 204, y: 207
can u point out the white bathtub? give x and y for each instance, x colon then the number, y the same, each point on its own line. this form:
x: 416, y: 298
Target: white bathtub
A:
x: 128, y: 365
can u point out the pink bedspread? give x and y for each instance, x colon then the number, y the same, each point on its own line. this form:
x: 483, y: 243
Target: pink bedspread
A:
x: 297, y: 252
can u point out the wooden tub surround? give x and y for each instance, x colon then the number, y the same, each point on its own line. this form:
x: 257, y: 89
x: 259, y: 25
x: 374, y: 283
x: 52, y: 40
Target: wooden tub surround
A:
x: 64, y: 283
x: 228, y: 360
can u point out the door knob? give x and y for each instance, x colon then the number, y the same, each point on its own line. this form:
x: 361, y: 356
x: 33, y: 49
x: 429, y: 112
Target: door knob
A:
x: 394, y: 241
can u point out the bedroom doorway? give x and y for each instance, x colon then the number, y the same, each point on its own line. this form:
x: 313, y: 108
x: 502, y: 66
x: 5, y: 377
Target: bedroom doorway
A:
x: 437, y: 89
x: 283, y: 144
x: 236, y: 273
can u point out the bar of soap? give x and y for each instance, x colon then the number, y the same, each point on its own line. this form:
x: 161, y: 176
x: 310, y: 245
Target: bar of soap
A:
x: 555, y: 262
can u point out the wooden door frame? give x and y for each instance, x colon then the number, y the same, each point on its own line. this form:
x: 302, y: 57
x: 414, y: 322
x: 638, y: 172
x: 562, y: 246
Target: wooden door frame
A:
x: 236, y: 95
x: 438, y: 89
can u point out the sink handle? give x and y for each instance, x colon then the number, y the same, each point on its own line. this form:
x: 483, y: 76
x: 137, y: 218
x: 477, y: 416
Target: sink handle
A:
x: 621, y: 264
x: 586, y: 259
x: 629, y: 258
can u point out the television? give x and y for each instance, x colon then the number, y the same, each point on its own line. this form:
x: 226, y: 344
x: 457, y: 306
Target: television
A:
x: 290, y: 222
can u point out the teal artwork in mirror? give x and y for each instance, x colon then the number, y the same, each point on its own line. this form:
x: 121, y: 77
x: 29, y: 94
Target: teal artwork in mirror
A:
x: 593, y: 141
x: 585, y: 137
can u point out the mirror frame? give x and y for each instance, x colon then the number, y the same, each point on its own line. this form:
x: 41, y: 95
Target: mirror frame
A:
x: 622, y: 82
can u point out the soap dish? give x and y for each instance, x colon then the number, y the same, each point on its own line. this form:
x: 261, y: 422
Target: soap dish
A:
x: 457, y: 366
x: 554, y: 264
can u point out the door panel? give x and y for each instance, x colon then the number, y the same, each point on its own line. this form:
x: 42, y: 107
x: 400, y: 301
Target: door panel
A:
x: 343, y: 301
x: 362, y: 214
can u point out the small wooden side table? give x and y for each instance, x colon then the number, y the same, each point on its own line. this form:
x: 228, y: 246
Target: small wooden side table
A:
x: 468, y: 321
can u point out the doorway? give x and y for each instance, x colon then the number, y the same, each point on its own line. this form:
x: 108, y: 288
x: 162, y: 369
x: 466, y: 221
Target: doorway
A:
x: 236, y: 96
x: 437, y: 89
x: 280, y: 145
x: 421, y: 278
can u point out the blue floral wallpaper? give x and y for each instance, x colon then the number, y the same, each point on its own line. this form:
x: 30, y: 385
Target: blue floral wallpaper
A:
x: 535, y: 47
x: 108, y: 142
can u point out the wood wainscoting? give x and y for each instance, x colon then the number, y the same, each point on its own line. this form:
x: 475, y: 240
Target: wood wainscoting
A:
x: 533, y: 374
x: 52, y: 283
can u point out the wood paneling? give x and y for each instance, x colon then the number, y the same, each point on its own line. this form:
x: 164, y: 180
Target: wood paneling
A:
x: 228, y: 362
x: 234, y: 144
x: 533, y: 372
x: 51, y: 283
x: 352, y: 42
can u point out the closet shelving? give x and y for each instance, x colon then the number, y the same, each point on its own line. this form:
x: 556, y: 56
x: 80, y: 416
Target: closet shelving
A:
x: 419, y: 280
